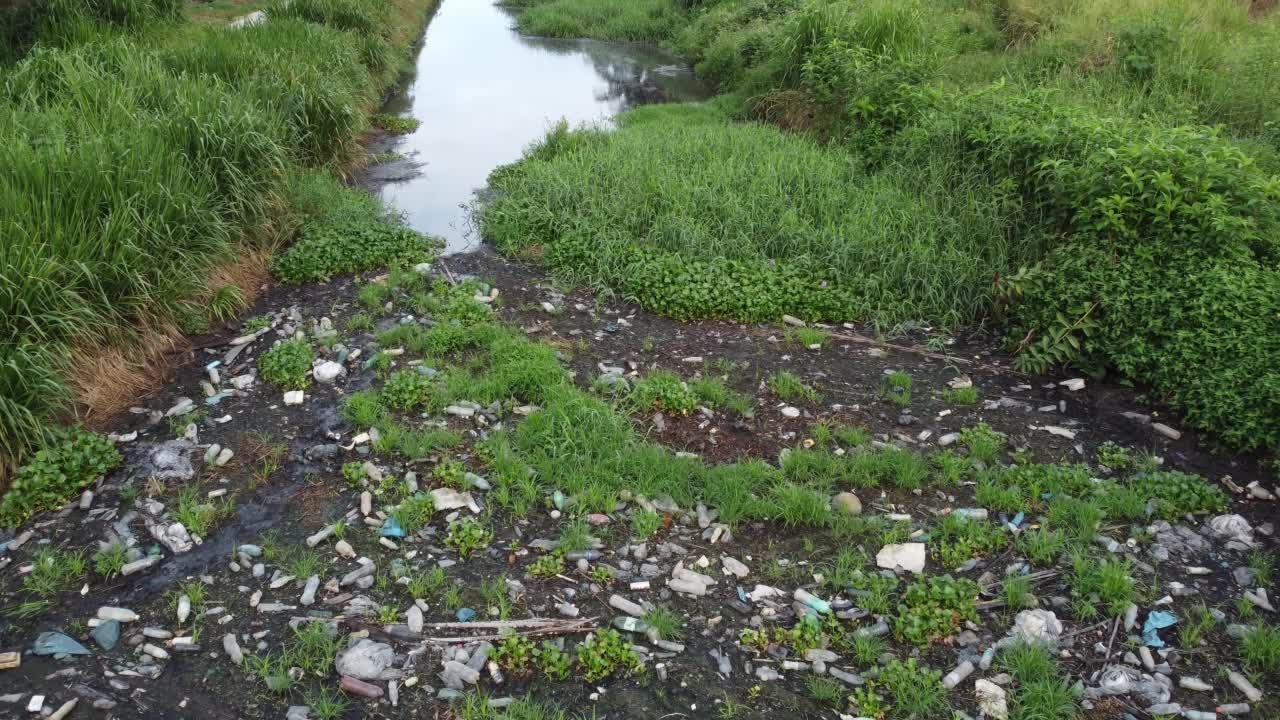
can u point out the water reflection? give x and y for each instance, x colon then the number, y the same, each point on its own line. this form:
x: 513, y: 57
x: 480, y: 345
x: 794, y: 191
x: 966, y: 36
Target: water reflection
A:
x: 483, y: 93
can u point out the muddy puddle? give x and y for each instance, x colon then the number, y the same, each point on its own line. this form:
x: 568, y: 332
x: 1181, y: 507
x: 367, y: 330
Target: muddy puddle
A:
x: 483, y: 92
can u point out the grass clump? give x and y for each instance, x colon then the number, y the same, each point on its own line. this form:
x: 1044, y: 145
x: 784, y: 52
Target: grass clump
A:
x: 109, y: 560
x: 1260, y: 648
x: 663, y: 390
x: 897, y: 388
x: 1040, y: 690
x: 668, y: 623
x: 915, y: 692
x: 788, y: 386
x: 286, y: 365
x: 961, y: 396
x: 54, y: 571
x: 1108, y: 583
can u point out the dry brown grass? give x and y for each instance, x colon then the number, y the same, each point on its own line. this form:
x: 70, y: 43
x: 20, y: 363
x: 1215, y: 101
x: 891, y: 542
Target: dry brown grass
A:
x: 108, y: 378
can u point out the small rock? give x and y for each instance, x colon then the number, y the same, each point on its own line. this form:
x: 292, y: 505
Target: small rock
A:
x: 847, y: 502
x: 297, y: 397
x: 328, y: 372
x: 992, y: 700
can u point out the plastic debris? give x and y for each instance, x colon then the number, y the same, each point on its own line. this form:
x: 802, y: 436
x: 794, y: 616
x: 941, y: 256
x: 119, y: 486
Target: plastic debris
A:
x: 1156, y: 620
x: 55, y: 643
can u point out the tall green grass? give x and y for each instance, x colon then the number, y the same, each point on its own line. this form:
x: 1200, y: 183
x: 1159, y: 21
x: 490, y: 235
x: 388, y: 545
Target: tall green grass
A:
x: 650, y: 20
x: 906, y: 243
x: 129, y: 165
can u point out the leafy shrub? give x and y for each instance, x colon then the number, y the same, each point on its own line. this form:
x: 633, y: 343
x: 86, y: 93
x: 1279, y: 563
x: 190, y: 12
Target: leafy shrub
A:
x: 335, y: 249
x: 56, y: 473
x: 406, y: 390
x: 1174, y: 494
x: 286, y: 365
x: 1198, y: 323
x: 934, y: 609
x: 606, y: 653
x: 467, y: 536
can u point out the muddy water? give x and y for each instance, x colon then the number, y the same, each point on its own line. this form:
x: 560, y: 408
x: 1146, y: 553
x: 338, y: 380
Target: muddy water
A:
x: 484, y: 92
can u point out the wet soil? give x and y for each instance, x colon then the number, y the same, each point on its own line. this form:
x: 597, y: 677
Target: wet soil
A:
x: 306, y: 494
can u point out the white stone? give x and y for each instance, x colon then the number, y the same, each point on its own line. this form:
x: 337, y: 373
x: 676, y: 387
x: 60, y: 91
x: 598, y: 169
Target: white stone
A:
x: 294, y: 397
x: 992, y: 700
x: 908, y: 556
x: 328, y: 372
x: 1037, y: 626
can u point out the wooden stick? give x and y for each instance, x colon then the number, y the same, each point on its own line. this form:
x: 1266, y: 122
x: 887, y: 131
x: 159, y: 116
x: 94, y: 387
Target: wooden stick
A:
x: 503, y: 624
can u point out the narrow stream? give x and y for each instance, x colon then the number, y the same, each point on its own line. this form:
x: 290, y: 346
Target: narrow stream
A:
x: 483, y: 92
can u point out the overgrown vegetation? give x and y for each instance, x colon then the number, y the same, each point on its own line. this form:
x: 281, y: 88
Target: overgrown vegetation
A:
x: 141, y: 151
x: 1059, y: 150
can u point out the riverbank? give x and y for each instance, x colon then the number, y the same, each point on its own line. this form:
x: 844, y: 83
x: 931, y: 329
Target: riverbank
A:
x: 175, y: 158
x: 1080, y: 177
x: 465, y: 489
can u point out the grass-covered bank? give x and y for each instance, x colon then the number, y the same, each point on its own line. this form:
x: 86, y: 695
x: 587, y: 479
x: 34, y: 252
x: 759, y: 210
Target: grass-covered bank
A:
x: 137, y: 156
x: 1049, y: 166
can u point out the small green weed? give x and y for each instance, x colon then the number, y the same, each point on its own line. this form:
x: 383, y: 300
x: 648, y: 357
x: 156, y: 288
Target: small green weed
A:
x: 467, y: 536
x: 788, y: 386
x: 897, y: 388
x: 406, y: 390
x: 286, y: 365
x: 961, y: 396
x: 667, y: 622
x: 606, y: 653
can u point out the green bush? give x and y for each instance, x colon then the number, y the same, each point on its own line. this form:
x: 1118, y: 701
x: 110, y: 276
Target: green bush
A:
x: 1167, y: 268
x: 57, y: 473
x: 334, y: 249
